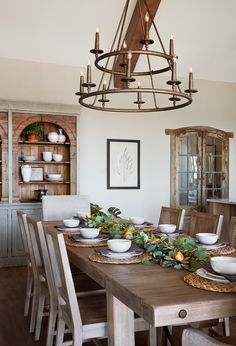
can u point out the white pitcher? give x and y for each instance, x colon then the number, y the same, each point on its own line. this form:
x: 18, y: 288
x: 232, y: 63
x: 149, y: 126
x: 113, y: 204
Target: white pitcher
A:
x: 61, y: 137
x: 26, y: 173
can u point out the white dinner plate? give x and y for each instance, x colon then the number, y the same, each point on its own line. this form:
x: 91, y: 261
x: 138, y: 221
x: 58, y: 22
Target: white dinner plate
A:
x: 90, y: 240
x: 67, y: 229
x: 120, y: 255
x: 206, y: 275
x: 217, y: 245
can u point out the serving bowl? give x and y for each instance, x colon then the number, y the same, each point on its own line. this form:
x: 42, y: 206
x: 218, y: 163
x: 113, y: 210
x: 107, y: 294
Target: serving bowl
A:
x: 224, y: 264
x: 167, y: 228
x: 89, y: 232
x: 137, y: 220
x: 71, y: 222
x: 119, y: 245
x: 54, y: 176
x: 47, y: 156
x: 57, y: 157
x: 207, y: 238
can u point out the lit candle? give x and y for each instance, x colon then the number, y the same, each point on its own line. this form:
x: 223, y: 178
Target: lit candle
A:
x: 81, y: 81
x: 124, y: 45
x: 171, y: 46
x: 190, y: 84
x: 97, y: 40
x: 89, y: 72
x: 104, y: 85
x: 146, y: 29
x: 129, y: 63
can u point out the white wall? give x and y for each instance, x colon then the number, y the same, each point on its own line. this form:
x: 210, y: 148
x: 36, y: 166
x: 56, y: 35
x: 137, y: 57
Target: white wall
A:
x: 214, y: 106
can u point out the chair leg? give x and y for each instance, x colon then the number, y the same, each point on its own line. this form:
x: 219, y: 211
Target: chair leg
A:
x: 34, y: 307
x: 226, y: 326
x: 39, y: 316
x: 152, y: 336
x: 60, y: 331
x: 51, y: 323
x: 28, y: 294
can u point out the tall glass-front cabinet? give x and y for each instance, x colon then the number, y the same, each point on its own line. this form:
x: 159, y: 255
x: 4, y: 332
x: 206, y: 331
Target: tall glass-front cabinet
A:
x: 199, y: 166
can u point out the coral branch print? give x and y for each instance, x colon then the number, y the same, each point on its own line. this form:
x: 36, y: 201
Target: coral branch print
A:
x: 125, y: 165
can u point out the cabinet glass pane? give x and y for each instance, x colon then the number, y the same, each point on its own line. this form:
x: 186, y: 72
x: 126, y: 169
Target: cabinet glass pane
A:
x: 192, y: 164
x: 183, y: 181
x: 183, y: 145
x: 183, y: 163
x: 192, y: 144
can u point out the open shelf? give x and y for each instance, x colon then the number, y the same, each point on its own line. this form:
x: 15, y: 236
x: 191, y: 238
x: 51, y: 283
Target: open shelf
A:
x: 43, y: 143
x: 45, y: 162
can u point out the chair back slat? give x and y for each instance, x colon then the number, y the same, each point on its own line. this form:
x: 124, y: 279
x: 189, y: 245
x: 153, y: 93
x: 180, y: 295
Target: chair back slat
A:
x: 233, y: 231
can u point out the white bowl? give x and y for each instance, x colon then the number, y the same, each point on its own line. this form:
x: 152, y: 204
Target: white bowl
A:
x: 57, y: 157
x: 47, y: 156
x: 167, y: 228
x: 54, y: 176
x: 71, y: 222
x: 119, y: 245
x: 29, y: 158
x: 137, y: 220
x: 207, y: 238
x: 224, y: 264
x: 89, y: 232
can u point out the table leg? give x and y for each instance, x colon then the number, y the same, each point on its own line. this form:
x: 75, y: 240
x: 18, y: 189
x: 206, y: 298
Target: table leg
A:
x: 120, y: 321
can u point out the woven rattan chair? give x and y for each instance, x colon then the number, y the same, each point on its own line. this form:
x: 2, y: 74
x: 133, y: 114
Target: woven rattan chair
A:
x: 232, y: 230
x: 205, y: 222
x: 172, y: 215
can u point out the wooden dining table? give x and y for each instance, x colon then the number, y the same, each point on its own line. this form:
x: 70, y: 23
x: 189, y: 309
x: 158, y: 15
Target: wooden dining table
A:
x: 158, y: 295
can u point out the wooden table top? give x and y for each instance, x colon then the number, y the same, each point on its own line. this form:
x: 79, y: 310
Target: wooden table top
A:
x: 154, y: 293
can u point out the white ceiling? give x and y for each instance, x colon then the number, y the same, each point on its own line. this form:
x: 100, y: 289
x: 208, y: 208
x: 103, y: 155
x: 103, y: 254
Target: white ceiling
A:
x: 62, y: 32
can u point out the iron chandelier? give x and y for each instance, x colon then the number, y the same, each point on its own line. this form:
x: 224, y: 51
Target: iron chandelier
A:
x: 119, y: 88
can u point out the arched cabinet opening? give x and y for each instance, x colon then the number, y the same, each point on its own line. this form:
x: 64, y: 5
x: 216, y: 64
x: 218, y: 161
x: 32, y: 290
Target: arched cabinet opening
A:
x: 199, y: 166
x: 45, y: 164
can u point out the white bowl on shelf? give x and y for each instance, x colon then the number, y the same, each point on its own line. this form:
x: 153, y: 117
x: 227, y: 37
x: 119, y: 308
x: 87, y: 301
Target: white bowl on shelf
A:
x: 167, y: 228
x: 89, y: 232
x: 224, y: 264
x: 57, y: 157
x: 47, y: 156
x: 119, y: 245
x: 137, y: 220
x: 71, y: 222
x: 29, y: 158
x: 54, y: 176
x: 207, y: 238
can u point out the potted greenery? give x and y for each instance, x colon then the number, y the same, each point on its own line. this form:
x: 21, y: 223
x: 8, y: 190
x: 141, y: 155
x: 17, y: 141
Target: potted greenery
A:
x: 32, y: 132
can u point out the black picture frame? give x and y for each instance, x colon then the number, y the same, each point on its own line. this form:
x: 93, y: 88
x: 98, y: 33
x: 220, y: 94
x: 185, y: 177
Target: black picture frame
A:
x: 123, y: 164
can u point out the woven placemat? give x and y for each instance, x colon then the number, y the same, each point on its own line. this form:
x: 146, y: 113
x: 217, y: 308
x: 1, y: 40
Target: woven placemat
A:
x: 226, y: 250
x: 79, y: 244
x: 197, y: 281
x: 96, y: 257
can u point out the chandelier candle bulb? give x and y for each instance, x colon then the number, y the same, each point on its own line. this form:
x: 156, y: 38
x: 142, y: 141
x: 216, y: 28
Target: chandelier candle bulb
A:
x: 96, y: 47
x: 129, y: 64
x: 146, y: 29
x: 171, y: 45
x: 89, y: 72
x: 81, y: 81
x: 190, y: 79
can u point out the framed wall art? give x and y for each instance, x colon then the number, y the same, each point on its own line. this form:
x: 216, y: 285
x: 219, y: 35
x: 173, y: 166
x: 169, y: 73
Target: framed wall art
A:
x: 123, y: 164
x: 36, y: 174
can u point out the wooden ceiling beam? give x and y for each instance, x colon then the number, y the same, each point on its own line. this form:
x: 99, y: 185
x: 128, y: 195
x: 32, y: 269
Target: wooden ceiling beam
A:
x: 134, y: 34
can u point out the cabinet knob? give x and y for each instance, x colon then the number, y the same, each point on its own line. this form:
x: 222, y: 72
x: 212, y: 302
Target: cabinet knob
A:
x: 182, y: 313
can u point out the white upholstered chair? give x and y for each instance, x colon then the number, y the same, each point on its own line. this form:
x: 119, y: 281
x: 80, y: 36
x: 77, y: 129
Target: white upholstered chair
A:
x: 61, y: 207
x: 195, y: 337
